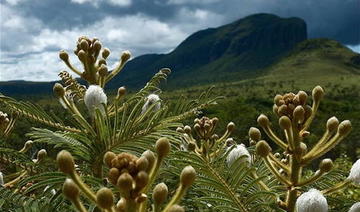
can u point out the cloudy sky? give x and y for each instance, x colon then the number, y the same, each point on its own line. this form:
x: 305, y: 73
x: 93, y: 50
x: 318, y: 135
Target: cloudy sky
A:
x: 33, y: 31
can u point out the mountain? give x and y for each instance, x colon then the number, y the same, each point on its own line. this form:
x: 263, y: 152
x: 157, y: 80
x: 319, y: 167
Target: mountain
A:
x: 218, y: 54
x: 260, y: 45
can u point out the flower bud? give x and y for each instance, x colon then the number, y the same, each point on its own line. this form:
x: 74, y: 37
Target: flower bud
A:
x: 231, y: 126
x: 344, y: 127
x: 160, y: 193
x: 142, y: 163
x: 176, y: 208
x: 142, y: 178
x: 59, y: 90
x: 41, y: 154
x: 166, y: 71
x: 125, y: 56
x: 104, y: 198
x: 102, y: 61
x: 97, y: 46
x: 187, y: 129
x: 302, y: 97
x: 149, y: 155
x: 141, y: 198
x: 332, y: 124
x: 317, y: 93
x: 299, y: 114
x: 188, y: 175
x: 313, y: 200
x: 125, y: 182
x: 84, y: 45
x: 162, y: 147
x: 114, y: 174
x: 65, y: 162
x: 277, y: 99
x: 262, y: 148
x: 63, y: 55
x: 355, y: 172
x: 82, y: 56
x: 285, y: 122
x: 263, y: 121
x: 121, y: 205
x: 108, y: 157
x: 105, y: 53
x: 326, y: 165
x: 103, y: 70
x: 28, y: 144
x: 121, y: 91
x: 180, y: 130
x: 70, y: 190
x: 254, y: 134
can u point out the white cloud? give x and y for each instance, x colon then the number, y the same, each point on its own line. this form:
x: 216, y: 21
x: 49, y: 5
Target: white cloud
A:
x: 355, y: 48
x: 191, y: 1
x: 120, y: 3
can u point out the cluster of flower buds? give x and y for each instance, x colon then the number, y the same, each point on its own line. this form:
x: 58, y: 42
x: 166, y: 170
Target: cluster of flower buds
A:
x: 132, y: 176
x: 95, y: 68
x: 202, y: 138
x: 4, y: 120
x: 295, y: 117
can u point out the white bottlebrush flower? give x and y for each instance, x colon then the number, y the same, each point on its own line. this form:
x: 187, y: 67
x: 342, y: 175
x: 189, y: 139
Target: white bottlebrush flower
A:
x: 355, y: 207
x: 95, y: 98
x: 237, y: 152
x: 150, y: 100
x: 355, y: 172
x: 312, y: 201
x: 1, y: 179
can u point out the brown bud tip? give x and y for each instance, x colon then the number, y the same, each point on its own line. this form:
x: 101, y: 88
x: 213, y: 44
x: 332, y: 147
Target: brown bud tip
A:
x: 299, y: 113
x: 303, y: 148
x: 84, y: 44
x: 125, y: 56
x: 70, y: 190
x: 65, y: 162
x: 103, y: 70
x: 142, y: 178
x: 285, y: 122
x: 277, y: 155
x: 105, y: 53
x: 82, y: 55
x: 114, y: 174
x: 302, y: 97
x: 332, y: 124
x: 263, y: 121
x: 277, y: 99
x: 176, y: 208
x: 180, y: 130
x: 187, y: 129
x: 101, y: 62
x: 254, y: 134
x: 141, y: 198
x: 104, y: 198
x: 142, y: 163
x: 317, y: 93
x: 262, y: 148
x: 344, y: 127
x: 121, y: 205
x: 191, y: 146
x: 64, y: 55
x: 231, y: 126
x: 108, y: 157
x: 28, y: 144
x: 97, y: 46
x: 41, y: 154
x: 166, y: 71
x: 160, y: 193
x: 59, y: 90
x: 162, y: 147
x: 326, y: 165
x: 121, y: 91
x: 197, y: 127
x: 150, y: 158
x: 125, y: 182
x: 188, y: 175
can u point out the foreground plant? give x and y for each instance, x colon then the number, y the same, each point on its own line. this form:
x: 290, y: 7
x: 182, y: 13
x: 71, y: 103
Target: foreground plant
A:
x: 132, y: 177
x: 295, y: 118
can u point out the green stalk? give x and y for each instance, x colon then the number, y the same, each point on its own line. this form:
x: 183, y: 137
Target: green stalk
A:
x: 83, y: 187
x: 180, y: 192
